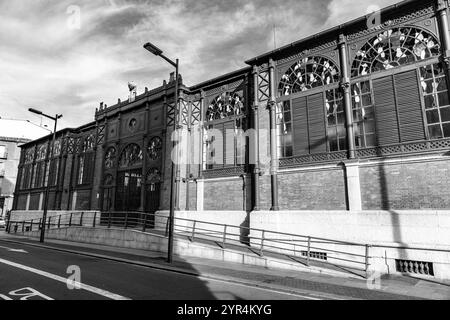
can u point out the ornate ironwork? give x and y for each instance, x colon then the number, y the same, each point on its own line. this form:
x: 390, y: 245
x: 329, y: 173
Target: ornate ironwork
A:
x: 263, y: 86
x: 308, y: 73
x: 225, y: 106
x: 313, y: 158
x: 88, y: 143
x: 223, y: 172
x: 57, y: 148
x: 196, y: 113
x: 131, y: 156
x: 154, y: 176
x: 154, y: 149
x: 109, y: 180
x: 29, y: 155
x: 110, y: 158
x: 393, y: 48
x: 101, y: 134
x: 41, y: 152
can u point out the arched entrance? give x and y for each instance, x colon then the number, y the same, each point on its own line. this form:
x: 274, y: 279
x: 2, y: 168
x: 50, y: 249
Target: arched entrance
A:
x: 152, y: 194
x: 129, y: 179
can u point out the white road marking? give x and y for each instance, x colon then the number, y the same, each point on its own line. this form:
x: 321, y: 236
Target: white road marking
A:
x: 14, y: 250
x: 83, y: 286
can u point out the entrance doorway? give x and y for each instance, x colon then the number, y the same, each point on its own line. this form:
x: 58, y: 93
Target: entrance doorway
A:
x: 129, y: 186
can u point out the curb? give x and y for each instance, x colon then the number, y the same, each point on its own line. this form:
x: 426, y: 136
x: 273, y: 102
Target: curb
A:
x: 210, y: 276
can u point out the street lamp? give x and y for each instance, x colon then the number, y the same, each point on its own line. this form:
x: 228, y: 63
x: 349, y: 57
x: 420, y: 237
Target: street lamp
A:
x: 47, y: 190
x: 174, y: 177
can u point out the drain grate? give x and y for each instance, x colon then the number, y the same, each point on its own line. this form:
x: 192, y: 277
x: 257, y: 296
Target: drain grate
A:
x: 316, y: 255
x: 414, y: 267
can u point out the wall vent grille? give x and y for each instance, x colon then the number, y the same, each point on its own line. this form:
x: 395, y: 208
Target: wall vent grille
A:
x: 414, y: 267
x: 315, y: 255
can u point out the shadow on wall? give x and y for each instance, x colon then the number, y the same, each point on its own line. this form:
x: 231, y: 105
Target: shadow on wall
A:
x: 386, y: 205
x: 245, y: 230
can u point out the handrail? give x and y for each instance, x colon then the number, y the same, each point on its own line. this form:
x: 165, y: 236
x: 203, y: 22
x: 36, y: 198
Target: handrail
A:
x: 264, y: 241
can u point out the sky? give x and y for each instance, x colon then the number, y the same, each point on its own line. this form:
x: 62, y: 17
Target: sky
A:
x: 67, y: 56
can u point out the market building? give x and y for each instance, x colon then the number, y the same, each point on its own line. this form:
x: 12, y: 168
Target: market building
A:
x: 352, y: 136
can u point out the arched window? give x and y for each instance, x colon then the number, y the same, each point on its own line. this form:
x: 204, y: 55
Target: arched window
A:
x: 131, y: 156
x: 88, y: 144
x: 108, y: 181
x: 57, y: 148
x: 29, y: 155
x: 226, y: 105
x: 42, y: 152
x: 154, y: 149
x: 154, y: 176
x: 308, y: 73
x: 86, y: 161
x: 110, y: 158
x: 393, y: 48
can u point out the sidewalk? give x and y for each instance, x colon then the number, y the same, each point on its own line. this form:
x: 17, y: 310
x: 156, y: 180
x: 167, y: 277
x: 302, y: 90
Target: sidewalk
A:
x: 332, y: 287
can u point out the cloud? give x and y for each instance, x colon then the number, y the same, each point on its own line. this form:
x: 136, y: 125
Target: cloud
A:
x: 45, y: 64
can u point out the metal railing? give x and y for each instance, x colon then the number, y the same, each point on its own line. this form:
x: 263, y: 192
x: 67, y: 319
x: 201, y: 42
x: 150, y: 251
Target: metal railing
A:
x: 347, y: 256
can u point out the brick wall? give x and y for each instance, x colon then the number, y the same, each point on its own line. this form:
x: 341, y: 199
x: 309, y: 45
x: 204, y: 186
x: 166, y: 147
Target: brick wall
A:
x: 265, y: 196
x: 406, y: 185
x: 224, y: 195
x: 313, y: 190
x: 192, y: 196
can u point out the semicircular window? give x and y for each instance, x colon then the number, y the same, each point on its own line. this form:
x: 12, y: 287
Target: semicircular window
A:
x: 227, y: 105
x: 154, y: 176
x: 29, y: 155
x: 110, y: 158
x: 154, y: 149
x: 89, y: 143
x: 109, y: 180
x: 57, y: 148
x: 42, y: 153
x: 308, y: 73
x: 131, y: 156
x: 393, y: 48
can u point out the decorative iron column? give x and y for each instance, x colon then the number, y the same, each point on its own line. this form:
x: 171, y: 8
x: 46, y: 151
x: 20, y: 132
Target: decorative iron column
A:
x: 272, y: 105
x: 345, y: 86
x: 256, y: 165
x: 144, y: 163
x: 188, y: 151
x: 442, y: 13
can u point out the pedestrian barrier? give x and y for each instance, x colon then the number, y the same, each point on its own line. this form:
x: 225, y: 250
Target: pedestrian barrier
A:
x: 309, y: 251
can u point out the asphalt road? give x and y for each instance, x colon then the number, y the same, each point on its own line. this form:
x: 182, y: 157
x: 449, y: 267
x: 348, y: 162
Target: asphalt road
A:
x: 33, y: 273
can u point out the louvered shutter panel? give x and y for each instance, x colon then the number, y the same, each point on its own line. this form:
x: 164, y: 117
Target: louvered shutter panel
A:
x: 385, y: 111
x: 316, y: 124
x: 229, y: 149
x: 218, y: 147
x: 300, y: 126
x: 409, y: 106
